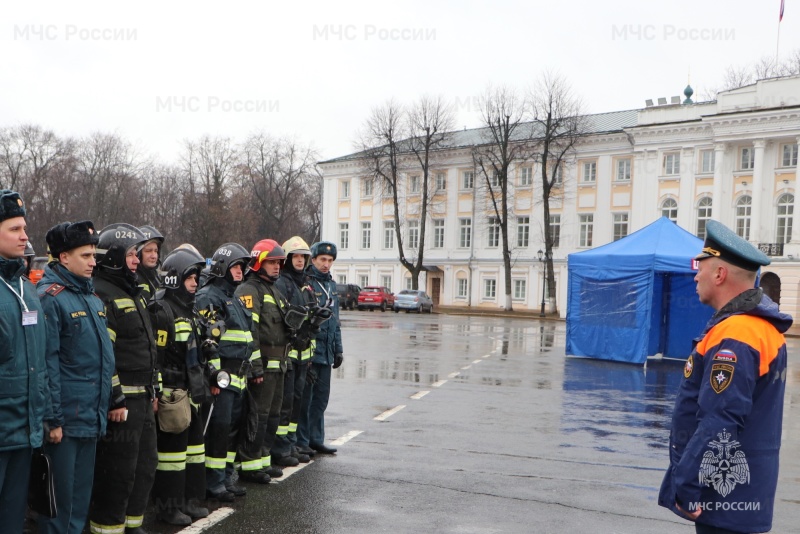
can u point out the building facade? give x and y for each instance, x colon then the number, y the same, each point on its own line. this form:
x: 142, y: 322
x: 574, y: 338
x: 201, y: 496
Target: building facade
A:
x: 733, y: 160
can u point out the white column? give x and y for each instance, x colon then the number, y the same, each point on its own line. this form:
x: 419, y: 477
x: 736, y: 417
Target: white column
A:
x: 716, y: 195
x: 757, y: 234
x: 686, y: 188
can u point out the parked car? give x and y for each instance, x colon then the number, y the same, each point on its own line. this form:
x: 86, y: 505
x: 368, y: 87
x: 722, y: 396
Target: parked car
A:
x: 413, y: 299
x: 375, y: 297
x: 348, y: 295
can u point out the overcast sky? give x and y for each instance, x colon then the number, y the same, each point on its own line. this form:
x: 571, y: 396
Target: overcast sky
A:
x: 161, y: 72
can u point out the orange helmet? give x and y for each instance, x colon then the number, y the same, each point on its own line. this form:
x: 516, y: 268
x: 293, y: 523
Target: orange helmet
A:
x: 265, y: 249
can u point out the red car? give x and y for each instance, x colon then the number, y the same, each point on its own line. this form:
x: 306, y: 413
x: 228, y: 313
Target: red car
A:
x: 375, y: 297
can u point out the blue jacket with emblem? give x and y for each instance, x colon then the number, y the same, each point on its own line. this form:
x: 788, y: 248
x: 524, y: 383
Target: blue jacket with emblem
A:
x: 726, y: 426
x: 329, y: 338
x: 80, y: 356
x: 24, y: 399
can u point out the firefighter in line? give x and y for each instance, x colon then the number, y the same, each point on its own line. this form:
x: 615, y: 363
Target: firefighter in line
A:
x: 80, y: 364
x: 294, y: 285
x: 180, y: 482
x: 126, y: 457
x: 227, y: 330
x: 271, y: 339
x: 22, y: 365
x: 150, y: 262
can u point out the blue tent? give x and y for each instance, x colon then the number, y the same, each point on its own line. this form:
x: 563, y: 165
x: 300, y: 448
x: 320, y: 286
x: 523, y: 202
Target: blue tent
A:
x: 635, y: 297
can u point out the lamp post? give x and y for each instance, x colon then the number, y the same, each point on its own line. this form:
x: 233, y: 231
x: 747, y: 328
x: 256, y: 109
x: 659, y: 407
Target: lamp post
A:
x: 543, y: 259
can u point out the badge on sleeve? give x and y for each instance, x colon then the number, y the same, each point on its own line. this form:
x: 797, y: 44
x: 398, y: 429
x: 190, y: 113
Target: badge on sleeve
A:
x: 689, y: 367
x: 721, y: 376
x: 725, y: 355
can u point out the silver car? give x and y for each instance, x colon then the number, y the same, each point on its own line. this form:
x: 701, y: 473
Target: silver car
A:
x: 412, y: 300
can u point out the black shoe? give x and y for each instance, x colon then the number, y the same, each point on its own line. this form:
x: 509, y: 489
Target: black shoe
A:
x: 274, y: 471
x: 259, y: 477
x: 285, y: 461
x: 238, y: 491
x: 222, y: 496
x: 173, y: 516
x: 308, y: 451
x: 302, y: 458
x: 194, y: 510
x: 322, y: 448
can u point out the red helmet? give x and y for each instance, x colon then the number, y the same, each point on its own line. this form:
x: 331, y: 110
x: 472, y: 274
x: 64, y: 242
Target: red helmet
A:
x: 265, y: 249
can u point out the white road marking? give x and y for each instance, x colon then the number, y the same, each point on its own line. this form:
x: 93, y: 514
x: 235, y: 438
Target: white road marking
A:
x: 466, y: 367
x: 438, y: 383
x: 419, y: 394
x: 477, y: 361
x: 207, y: 522
x: 388, y: 413
x: 453, y: 375
x: 487, y: 356
x: 289, y: 471
x: 347, y: 437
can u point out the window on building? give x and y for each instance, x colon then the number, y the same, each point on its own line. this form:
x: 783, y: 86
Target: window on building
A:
x: 489, y: 288
x: 344, y: 236
x: 413, y: 233
x: 785, y: 215
x: 706, y: 161
x: 461, y: 290
x: 624, y: 170
x: 669, y: 209
x: 494, y: 178
x: 388, y: 189
x: 555, y: 228
x: 558, y: 178
x: 438, y: 233
x: 386, y: 281
x: 620, y: 226
x: 413, y: 184
x: 366, y: 235
x: 672, y: 164
x: 341, y: 278
x: 590, y: 171
x: 441, y: 181
x: 345, y: 190
x: 407, y: 282
x: 523, y: 231
x: 494, y: 232
x: 525, y: 176
x: 467, y: 180
x: 587, y: 227
x: 363, y: 280
x: 465, y: 233
x: 388, y: 234
x: 789, y: 156
x: 369, y: 184
x: 520, y: 289
x: 703, y: 216
x: 743, y: 206
x: 748, y: 159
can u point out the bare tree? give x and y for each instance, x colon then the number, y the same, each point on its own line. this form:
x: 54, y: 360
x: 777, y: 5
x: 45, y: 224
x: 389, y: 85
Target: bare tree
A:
x: 736, y: 76
x: 504, y: 142
x: 559, y: 125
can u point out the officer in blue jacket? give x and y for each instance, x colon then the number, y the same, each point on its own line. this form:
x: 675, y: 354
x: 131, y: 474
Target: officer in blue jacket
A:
x: 80, y: 364
x: 22, y: 367
x: 328, y: 354
x: 726, y: 426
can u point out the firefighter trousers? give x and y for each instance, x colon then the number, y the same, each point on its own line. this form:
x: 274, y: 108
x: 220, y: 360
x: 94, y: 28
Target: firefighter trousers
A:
x: 268, y: 396
x: 293, y: 385
x: 180, y: 474
x: 222, y: 436
x: 125, y: 468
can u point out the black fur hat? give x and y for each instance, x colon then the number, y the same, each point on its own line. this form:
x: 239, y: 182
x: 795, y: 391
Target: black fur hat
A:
x: 11, y: 205
x: 67, y: 236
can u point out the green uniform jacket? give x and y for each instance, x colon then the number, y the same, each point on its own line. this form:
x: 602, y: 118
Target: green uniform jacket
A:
x: 270, y: 334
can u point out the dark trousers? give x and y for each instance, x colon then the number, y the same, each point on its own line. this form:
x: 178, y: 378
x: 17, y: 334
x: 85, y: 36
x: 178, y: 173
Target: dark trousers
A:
x: 268, y: 396
x: 125, y: 469
x: 283, y: 445
x: 73, y: 472
x: 311, y: 427
x: 15, y: 467
x: 222, y: 436
x: 297, y: 400
x: 699, y: 528
x: 181, y: 473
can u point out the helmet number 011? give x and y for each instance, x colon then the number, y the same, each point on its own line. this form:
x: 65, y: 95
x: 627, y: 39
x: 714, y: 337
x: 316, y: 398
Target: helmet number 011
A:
x: 170, y: 280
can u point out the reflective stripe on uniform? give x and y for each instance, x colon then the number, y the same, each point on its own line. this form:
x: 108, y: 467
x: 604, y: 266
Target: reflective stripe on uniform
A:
x: 237, y: 336
x: 133, y: 390
x: 215, y: 463
x: 124, y: 303
x: 251, y: 465
x: 306, y: 355
x: 112, y: 335
x: 282, y: 430
x: 269, y: 299
x: 273, y: 364
x: 293, y: 354
x: 115, y: 381
x: 231, y: 456
x: 196, y: 454
x: 215, y: 363
x: 256, y: 355
x: 134, y: 521
x: 182, y: 331
x: 292, y: 427
x: 171, y: 461
x: 256, y: 318
x: 96, y: 528
x: 266, y: 461
x: 238, y: 382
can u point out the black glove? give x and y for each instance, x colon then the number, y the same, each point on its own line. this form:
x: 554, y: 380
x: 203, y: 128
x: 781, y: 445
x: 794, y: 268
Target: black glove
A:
x: 311, y: 375
x: 338, y: 358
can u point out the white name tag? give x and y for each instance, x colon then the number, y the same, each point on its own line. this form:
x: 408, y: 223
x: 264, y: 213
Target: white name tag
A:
x: 29, y: 318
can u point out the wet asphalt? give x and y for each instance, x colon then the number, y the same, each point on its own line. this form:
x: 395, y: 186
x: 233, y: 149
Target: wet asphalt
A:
x: 464, y: 424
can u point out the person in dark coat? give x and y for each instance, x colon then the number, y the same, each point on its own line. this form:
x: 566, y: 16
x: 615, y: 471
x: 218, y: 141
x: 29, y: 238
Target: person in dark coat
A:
x: 80, y: 364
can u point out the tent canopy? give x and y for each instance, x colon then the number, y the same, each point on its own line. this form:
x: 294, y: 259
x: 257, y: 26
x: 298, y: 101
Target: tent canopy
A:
x: 636, y: 297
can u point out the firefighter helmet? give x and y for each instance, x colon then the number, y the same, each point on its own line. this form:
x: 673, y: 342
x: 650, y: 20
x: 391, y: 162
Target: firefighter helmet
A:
x: 29, y: 252
x: 115, y: 241
x: 296, y: 245
x: 179, y: 265
x: 263, y: 250
x: 227, y: 256
x: 152, y: 234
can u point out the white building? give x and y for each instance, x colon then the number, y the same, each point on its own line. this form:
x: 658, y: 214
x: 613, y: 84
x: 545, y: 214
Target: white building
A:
x: 733, y: 159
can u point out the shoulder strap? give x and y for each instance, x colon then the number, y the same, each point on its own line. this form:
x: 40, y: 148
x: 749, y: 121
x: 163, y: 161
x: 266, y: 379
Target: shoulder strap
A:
x: 54, y: 289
